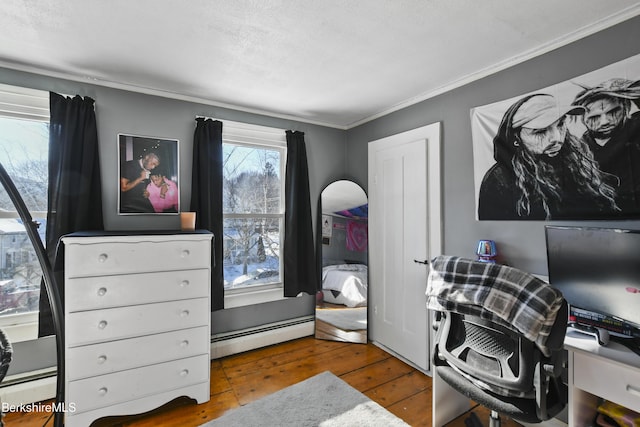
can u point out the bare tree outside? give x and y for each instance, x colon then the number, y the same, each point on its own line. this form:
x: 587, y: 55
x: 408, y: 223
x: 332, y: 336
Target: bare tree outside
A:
x: 24, y: 155
x: 252, y: 207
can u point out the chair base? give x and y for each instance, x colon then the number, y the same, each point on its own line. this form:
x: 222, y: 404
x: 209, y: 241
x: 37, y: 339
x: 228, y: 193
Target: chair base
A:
x: 494, y: 419
x: 473, y: 421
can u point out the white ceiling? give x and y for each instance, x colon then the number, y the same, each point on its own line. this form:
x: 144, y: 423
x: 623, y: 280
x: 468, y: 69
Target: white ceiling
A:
x: 332, y: 62
x: 342, y: 195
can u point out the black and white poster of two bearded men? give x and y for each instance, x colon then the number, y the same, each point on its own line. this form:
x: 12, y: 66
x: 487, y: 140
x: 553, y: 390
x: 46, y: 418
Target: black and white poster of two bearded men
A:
x: 565, y: 152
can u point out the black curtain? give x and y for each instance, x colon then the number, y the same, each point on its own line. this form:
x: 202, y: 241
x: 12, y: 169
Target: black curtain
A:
x: 299, y: 258
x: 206, y: 196
x: 75, y: 189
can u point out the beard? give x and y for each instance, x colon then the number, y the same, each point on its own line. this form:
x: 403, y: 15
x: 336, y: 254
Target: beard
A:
x: 602, y: 134
x: 608, y: 131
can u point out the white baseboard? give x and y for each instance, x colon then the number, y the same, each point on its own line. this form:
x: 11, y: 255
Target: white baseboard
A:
x: 240, y: 341
x: 222, y: 345
x: 29, y: 392
x: 402, y: 358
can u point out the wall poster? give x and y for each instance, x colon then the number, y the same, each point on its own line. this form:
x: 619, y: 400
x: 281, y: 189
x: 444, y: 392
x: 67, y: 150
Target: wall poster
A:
x: 148, y: 171
x: 570, y: 151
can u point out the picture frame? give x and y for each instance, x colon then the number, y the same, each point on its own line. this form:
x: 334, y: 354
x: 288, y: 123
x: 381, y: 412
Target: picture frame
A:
x: 148, y: 171
x: 327, y: 225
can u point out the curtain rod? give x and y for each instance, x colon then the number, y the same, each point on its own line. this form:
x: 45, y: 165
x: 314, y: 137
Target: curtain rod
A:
x: 243, y: 124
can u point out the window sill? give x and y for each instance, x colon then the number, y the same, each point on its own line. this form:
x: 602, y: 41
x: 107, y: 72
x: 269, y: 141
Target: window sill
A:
x: 251, y: 297
x: 20, y: 326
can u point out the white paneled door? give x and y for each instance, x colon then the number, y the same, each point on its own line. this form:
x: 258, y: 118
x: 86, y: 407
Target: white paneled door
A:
x: 404, y: 231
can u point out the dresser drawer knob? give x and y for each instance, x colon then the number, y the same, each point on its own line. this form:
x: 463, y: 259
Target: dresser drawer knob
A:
x: 633, y: 390
x: 184, y: 313
x: 102, y: 324
x: 185, y: 253
x: 102, y: 291
x: 184, y: 283
x: 102, y: 391
x: 101, y: 359
x: 184, y: 344
x: 103, y: 257
x: 184, y: 372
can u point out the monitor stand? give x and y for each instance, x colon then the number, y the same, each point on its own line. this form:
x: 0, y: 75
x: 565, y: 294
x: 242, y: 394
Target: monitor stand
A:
x: 601, y: 335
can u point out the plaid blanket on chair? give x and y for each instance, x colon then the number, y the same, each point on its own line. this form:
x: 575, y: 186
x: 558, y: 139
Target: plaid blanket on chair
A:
x: 494, y: 292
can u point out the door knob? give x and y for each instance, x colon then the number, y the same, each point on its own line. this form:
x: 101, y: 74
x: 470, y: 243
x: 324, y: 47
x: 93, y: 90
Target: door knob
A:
x: 425, y: 262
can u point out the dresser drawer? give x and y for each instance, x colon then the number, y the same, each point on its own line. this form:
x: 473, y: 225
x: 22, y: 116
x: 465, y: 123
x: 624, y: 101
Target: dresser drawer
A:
x: 90, y: 293
x: 104, y: 358
x: 87, y: 327
x: 606, y: 379
x: 106, y: 390
x: 108, y: 258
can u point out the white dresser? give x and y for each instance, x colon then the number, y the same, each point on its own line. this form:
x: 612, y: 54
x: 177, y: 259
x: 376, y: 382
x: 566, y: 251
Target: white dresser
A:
x: 137, y: 322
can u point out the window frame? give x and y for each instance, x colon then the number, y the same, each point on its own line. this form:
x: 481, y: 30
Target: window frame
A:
x: 256, y: 136
x: 23, y: 103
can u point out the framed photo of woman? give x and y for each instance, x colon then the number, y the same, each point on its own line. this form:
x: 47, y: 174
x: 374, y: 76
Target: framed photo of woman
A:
x: 149, y: 175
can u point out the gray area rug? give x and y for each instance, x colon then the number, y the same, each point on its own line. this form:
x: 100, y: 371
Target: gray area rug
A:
x: 323, y: 400
x: 347, y: 319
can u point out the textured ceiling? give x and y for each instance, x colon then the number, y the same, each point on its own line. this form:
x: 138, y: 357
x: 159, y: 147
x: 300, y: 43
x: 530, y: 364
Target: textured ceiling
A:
x: 331, y: 62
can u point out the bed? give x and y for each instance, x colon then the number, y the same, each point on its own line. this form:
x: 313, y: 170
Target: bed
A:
x: 345, y: 284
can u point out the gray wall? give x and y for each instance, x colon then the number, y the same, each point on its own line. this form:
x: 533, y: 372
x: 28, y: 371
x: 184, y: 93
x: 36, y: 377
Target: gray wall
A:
x: 521, y: 243
x: 336, y: 251
x: 335, y: 154
x: 120, y: 111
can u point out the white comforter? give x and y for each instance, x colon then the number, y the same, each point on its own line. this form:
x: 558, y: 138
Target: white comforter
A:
x: 345, y: 284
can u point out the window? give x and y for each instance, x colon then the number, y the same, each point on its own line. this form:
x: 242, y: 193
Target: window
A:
x: 253, y: 206
x: 24, y: 142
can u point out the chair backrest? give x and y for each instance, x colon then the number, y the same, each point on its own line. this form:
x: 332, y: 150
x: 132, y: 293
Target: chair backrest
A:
x: 491, y: 361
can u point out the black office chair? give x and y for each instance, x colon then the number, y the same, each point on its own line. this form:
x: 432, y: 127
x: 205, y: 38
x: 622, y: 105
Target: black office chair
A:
x: 499, y: 337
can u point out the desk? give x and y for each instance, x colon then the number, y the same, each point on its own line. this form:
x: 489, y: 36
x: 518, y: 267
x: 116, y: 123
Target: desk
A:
x: 611, y: 372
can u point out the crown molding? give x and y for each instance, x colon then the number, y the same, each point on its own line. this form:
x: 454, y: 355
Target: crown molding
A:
x: 588, y: 30
x: 566, y: 39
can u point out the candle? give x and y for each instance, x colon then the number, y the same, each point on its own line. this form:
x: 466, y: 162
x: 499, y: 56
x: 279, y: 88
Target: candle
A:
x: 187, y: 221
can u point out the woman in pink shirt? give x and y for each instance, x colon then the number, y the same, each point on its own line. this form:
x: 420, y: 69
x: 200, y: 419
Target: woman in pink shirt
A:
x: 163, y: 193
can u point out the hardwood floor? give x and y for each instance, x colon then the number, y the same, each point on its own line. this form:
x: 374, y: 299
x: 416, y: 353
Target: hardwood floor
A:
x: 327, y: 331
x: 240, y: 379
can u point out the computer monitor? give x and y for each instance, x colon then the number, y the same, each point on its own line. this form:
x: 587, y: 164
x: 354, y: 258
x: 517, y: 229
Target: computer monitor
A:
x: 597, y: 270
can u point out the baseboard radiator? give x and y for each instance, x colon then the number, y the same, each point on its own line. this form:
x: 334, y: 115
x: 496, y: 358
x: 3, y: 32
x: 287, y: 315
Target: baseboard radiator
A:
x: 229, y: 343
x: 25, y: 391
x: 19, y: 390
